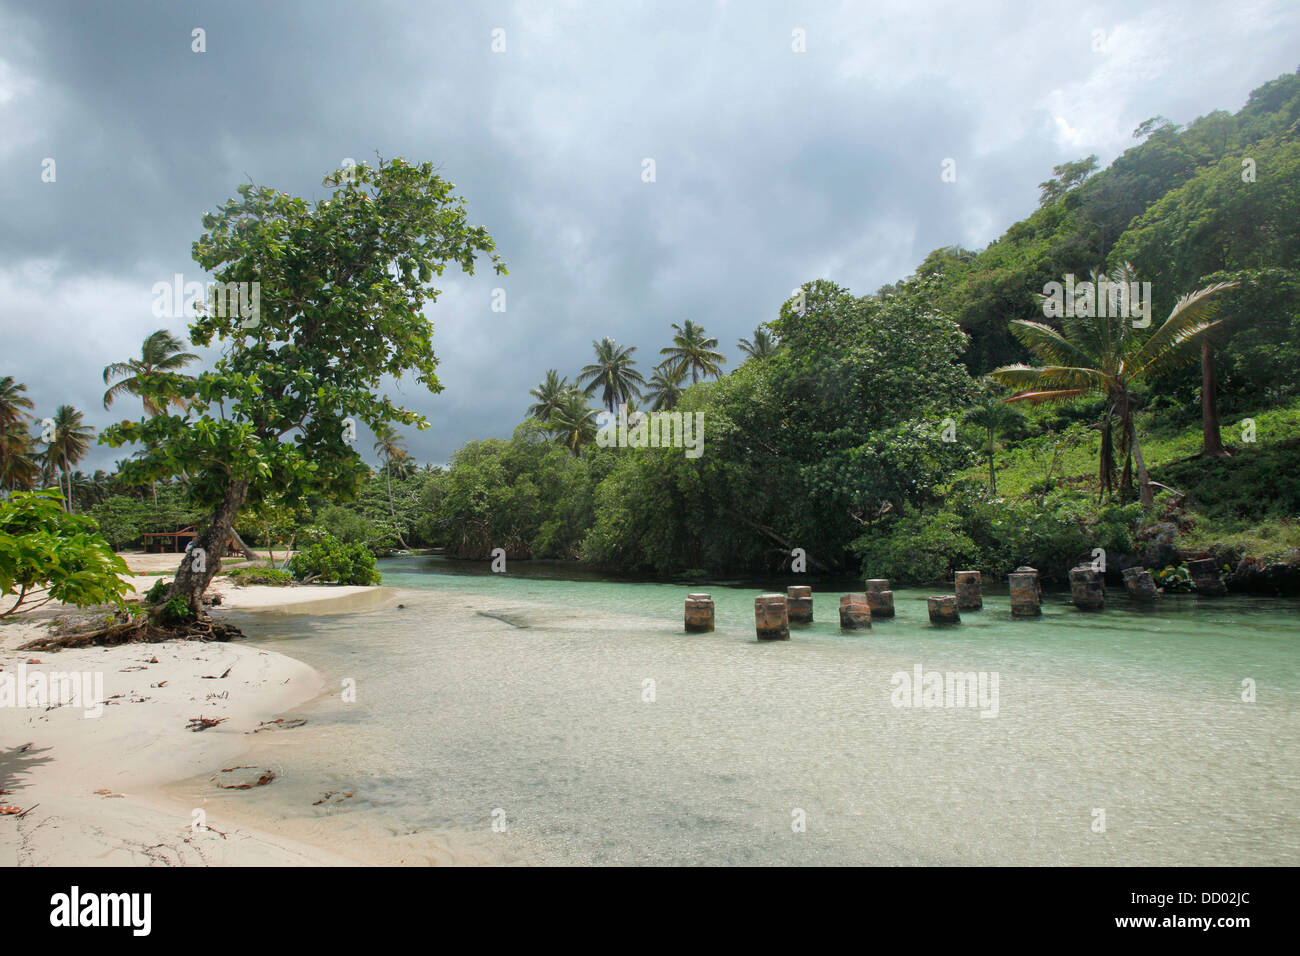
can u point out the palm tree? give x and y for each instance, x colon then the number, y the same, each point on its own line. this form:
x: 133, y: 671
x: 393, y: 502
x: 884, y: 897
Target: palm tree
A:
x: 763, y: 346
x: 613, y: 373
x: 549, y: 395
x: 17, y: 469
x: 574, y: 422
x: 68, y: 445
x: 391, y: 448
x: 665, y: 387
x: 160, y: 352
x: 1107, y: 355
x: 993, y: 416
x: 692, y: 350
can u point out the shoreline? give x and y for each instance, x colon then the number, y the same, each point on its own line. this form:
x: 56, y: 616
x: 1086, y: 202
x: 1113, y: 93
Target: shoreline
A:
x: 136, y: 786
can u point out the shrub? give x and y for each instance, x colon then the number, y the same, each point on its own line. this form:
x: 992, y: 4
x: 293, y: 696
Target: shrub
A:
x: 156, y: 593
x: 274, y: 577
x: 328, y: 559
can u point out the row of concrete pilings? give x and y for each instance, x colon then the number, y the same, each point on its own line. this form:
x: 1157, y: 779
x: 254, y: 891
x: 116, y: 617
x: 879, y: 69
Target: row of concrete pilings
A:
x: 774, y: 613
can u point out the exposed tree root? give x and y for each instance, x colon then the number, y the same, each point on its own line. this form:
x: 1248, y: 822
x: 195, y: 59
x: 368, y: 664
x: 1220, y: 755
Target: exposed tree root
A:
x: 128, y: 629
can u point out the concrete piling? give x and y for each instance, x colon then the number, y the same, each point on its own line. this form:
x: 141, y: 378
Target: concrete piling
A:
x: 880, y: 597
x: 1087, y: 588
x: 1205, y: 577
x: 699, y: 613
x: 799, y: 604
x: 970, y: 592
x: 1139, y: 583
x: 771, y: 617
x: 855, y: 613
x: 943, y: 609
x: 1026, y: 598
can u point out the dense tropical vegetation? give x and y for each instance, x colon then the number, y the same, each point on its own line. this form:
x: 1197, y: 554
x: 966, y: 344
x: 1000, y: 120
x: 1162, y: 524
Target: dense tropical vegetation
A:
x: 946, y: 420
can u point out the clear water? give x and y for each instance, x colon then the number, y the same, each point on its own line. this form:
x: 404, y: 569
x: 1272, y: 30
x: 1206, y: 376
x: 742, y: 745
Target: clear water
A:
x: 527, y: 695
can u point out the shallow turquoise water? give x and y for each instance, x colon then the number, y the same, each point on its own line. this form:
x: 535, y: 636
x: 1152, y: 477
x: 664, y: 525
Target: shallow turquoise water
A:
x: 531, y: 697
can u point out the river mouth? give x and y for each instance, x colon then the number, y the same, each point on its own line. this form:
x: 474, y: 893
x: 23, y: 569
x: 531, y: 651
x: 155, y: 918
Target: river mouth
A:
x: 574, y: 722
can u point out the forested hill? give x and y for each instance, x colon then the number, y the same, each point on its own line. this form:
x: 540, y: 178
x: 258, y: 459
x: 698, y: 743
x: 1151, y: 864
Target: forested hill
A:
x: 1171, y: 205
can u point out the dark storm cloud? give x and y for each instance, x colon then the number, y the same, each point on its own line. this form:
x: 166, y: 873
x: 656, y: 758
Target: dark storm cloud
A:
x: 773, y: 167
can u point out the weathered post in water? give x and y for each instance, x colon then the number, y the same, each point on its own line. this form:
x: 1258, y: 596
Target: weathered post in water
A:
x: 1139, y: 583
x: 880, y: 598
x: 855, y: 613
x: 1087, y: 588
x: 771, y: 618
x: 1205, y: 577
x: 699, y: 613
x: 799, y: 603
x: 1026, y: 598
x: 943, y: 609
x: 970, y: 592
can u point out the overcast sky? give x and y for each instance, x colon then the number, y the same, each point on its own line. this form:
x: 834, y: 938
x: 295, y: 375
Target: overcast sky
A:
x: 772, y: 166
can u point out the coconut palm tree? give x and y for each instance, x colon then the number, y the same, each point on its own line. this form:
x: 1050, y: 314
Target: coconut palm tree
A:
x: 613, y: 373
x: 160, y: 352
x: 17, y: 468
x: 549, y: 395
x: 694, y: 351
x: 665, y: 387
x: 1107, y: 355
x: 994, y: 416
x: 391, y: 448
x: 763, y: 346
x: 68, y: 444
x: 574, y: 422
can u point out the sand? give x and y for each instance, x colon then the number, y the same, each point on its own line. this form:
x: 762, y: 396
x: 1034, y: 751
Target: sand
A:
x: 131, y: 785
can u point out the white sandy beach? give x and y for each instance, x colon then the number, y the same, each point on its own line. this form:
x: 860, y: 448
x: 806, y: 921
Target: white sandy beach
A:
x: 111, y: 790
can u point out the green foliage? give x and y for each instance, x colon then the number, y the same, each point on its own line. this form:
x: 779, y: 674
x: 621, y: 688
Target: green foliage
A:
x: 269, y: 576
x: 343, y: 284
x: 156, y: 593
x: 47, y: 555
x: 1174, y: 578
x: 176, y: 611
x: 329, y: 560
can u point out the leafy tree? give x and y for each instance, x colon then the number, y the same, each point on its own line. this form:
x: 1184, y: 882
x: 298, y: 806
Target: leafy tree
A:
x: 694, y: 351
x: 614, y: 373
x: 344, y: 281
x: 48, y: 555
x: 1064, y: 178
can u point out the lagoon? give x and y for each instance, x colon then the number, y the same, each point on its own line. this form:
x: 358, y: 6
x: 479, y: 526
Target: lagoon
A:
x: 579, y: 718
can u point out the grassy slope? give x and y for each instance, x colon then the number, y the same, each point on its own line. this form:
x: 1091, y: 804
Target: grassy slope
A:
x: 1251, y: 501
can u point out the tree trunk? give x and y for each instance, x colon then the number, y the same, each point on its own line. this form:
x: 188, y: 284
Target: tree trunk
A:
x: 993, y: 481
x: 392, y: 512
x: 67, y: 473
x: 203, y: 560
x: 1144, y: 481
x: 1106, y: 469
x: 244, y: 549
x: 1211, y: 442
